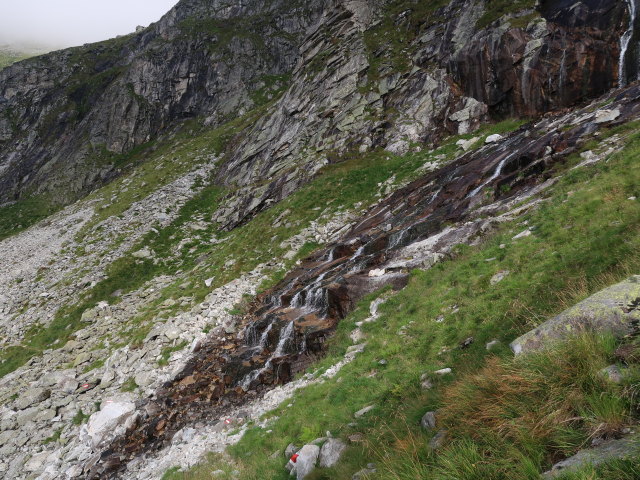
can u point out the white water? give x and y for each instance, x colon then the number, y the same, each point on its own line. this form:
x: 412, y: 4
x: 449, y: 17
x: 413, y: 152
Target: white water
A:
x: 313, y: 295
x: 331, y: 255
x: 495, y: 175
x: 246, y: 381
x: 398, y: 237
x: 625, y: 40
x: 285, y: 336
x: 296, y: 301
x: 563, y: 71
x: 265, y: 336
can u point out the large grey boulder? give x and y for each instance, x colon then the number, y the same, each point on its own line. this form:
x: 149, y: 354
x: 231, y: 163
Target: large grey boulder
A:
x: 623, y: 448
x: 112, y: 415
x: 32, y: 397
x: 306, y: 461
x: 331, y: 452
x: 613, y: 310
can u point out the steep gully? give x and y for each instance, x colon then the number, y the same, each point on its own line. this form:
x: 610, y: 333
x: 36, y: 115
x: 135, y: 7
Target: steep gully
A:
x: 413, y: 228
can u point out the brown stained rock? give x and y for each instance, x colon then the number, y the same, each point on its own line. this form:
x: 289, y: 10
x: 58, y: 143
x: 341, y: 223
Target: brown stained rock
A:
x: 605, y: 312
x: 523, y: 73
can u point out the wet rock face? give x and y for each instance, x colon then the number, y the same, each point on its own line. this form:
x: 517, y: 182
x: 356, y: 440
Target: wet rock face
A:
x: 600, y: 14
x: 458, y: 76
x: 569, y: 54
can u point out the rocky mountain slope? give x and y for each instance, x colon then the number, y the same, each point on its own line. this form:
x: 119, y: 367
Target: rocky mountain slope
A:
x: 193, y: 214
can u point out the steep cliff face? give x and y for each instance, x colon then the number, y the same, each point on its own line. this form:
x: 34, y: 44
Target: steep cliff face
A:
x: 391, y: 75
x: 66, y: 116
x: 361, y: 74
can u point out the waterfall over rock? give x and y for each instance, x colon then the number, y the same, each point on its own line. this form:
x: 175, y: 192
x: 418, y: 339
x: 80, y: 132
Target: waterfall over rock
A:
x: 625, y: 41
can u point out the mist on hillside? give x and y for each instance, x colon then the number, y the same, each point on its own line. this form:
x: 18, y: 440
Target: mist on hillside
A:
x: 43, y: 24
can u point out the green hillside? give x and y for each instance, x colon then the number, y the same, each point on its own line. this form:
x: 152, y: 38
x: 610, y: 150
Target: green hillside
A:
x: 8, y: 58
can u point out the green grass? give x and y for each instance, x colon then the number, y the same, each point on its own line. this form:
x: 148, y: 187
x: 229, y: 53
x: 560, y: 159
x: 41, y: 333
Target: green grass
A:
x: 586, y: 238
x: 494, y: 9
x: 167, y: 351
x: 394, y: 39
x: 529, y: 411
x: 7, y: 58
x: 80, y: 418
x: 221, y: 465
x: 24, y: 213
x: 338, y: 187
x: 272, y: 86
x: 94, y: 365
x: 53, y: 438
x: 129, y: 385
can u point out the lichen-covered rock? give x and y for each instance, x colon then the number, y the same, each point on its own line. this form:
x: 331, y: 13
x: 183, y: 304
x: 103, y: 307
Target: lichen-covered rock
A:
x: 620, y: 449
x: 613, y: 310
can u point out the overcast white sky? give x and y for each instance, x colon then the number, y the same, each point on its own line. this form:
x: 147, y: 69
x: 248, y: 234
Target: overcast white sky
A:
x: 63, y: 23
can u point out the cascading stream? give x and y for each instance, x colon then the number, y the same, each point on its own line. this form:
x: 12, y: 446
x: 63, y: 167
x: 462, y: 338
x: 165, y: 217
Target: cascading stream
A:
x: 625, y: 41
x: 495, y: 175
x: 286, y: 335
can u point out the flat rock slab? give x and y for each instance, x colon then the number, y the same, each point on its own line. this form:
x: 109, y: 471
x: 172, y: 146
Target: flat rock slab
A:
x: 306, y: 462
x: 614, y: 310
x: 364, y: 411
x: 107, y: 419
x: 628, y: 447
x: 32, y: 397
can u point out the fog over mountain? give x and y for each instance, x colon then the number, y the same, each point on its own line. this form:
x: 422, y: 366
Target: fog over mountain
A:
x: 66, y: 23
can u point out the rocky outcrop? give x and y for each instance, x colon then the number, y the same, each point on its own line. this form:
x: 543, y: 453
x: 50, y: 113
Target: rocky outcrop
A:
x: 351, y: 93
x: 614, y: 310
x: 362, y: 75
x: 620, y: 449
x: 65, y: 117
x: 568, y: 53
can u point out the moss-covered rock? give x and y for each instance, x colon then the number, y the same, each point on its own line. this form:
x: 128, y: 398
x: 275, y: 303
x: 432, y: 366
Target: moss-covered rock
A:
x: 614, y: 310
